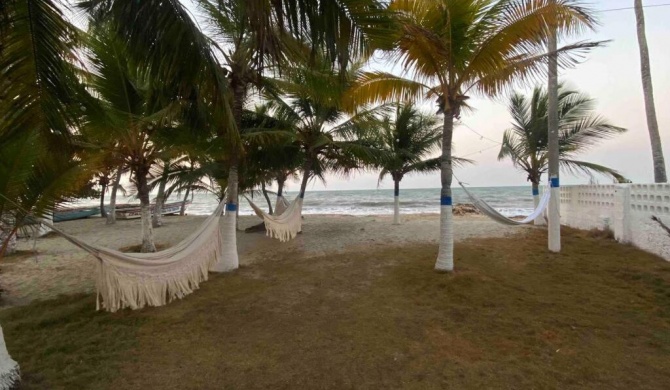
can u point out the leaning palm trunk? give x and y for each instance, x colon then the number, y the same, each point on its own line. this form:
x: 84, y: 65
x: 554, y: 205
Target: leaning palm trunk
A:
x: 103, y: 212
x: 7, y: 241
x: 396, y: 202
x: 182, y: 210
x: 539, y: 221
x: 649, y: 105
x: 145, y: 207
x: 229, y: 259
x: 445, y: 256
x: 157, y: 219
x: 307, y: 169
x: 111, y: 215
x: 267, y: 198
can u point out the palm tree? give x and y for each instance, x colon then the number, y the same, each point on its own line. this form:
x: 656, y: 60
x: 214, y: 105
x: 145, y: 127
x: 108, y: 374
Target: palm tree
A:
x: 452, y: 49
x: 162, y: 34
x: 312, y: 103
x: 579, y: 128
x: 40, y: 107
x: 408, y: 139
x: 132, y: 113
x: 650, y: 107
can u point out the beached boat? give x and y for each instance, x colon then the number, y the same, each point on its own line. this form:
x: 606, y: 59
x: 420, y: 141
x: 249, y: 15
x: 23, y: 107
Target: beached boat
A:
x: 72, y: 213
x: 133, y: 211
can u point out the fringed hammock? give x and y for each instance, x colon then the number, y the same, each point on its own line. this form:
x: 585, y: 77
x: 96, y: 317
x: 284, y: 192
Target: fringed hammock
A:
x: 283, y: 226
x: 281, y: 205
x: 136, y: 280
x: 492, y: 213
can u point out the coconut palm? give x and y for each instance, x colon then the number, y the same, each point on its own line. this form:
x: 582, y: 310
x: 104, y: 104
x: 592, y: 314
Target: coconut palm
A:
x: 312, y: 103
x: 650, y: 107
x: 449, y: 50
x: 133, y: 113
x: 162, y: 35
x: 579, y: 128
x: 408, y: 140
x: 40, y: 161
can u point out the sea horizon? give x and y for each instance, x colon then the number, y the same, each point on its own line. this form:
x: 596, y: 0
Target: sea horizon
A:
x: 509, y: 200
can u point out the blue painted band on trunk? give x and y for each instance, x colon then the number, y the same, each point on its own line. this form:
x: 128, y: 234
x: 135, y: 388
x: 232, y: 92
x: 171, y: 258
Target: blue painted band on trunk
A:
x: 536, y: 191
x: 302, y: 195
x: 396, y: 192
x: 554, y: 182
x: 231, y: 207
x: 446, y: 201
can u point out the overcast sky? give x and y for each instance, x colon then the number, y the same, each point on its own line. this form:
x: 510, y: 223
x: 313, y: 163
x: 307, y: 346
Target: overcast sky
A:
x: 610, y: 75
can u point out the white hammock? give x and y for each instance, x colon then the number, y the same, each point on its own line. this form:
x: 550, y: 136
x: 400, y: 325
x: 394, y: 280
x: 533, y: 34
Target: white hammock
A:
x: 281, y: 205
x: 492, y: 213
x: 284, y: 226
x: 10, y: 373
x: 136, y: 280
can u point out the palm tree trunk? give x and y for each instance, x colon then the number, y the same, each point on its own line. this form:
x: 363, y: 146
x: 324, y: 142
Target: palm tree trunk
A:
x: 445, y: 256
x: 539, y: 221
x: 103, y: 213
x: 280, y: 188
x: 649, y: 105
x: 182, y: 211
x: 111, y: 216
x: 229, y: 259
x: 145, y: 206
x: 157, y: 219
x: 307, y: 170
x: 554, y: 241
x: 396, y: 202
x: 267, y: 197
x: 7, y: 241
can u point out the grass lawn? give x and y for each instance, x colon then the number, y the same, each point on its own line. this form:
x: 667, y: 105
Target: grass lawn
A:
x: 511, y: 316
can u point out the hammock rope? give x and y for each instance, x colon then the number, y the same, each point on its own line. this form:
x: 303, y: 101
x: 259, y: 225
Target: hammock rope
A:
x: 136, y: 280
x: 492, y: 213
x: 281, y: 205
x: 284, y: 226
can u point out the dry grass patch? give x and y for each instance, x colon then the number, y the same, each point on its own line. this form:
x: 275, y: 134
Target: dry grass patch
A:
x: 512, y: 316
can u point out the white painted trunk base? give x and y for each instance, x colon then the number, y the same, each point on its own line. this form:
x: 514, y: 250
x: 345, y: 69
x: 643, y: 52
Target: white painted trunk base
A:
x: 539, y: 221
x: 10, y: 375
x: 555, y: 220
x: 445, y: 257
x: 396, y: 210
x: 147, y: 230
x: 229, y: 260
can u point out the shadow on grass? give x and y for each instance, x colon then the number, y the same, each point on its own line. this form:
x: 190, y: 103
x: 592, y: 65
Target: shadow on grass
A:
x: 512, y: 316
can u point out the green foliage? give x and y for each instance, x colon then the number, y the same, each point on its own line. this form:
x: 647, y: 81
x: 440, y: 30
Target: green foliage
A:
x: 42, y: 160
x: 580, y: 128
x: 410, y: 138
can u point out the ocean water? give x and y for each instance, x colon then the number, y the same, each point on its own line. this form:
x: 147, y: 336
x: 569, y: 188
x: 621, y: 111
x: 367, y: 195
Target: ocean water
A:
x: 510, y: 201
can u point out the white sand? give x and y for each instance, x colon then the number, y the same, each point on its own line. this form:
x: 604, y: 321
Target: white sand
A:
x: 59, y: 267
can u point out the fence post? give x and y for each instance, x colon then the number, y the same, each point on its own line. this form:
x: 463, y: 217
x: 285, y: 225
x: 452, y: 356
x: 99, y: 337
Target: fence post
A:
x: 622, y: 214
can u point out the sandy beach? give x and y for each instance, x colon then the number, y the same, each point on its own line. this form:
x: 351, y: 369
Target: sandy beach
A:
x: 50, y: 266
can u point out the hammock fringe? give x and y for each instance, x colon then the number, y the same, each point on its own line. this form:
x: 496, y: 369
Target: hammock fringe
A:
x: 285, y: 226
x: 136, y: 280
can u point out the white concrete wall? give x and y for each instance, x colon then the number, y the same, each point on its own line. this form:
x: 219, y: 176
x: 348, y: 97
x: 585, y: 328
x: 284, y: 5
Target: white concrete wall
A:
x: 626, y: 209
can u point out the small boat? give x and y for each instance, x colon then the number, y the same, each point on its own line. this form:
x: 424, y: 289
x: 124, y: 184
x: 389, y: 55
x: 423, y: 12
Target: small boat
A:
x: 134, y: 211
x: 72, y: 213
